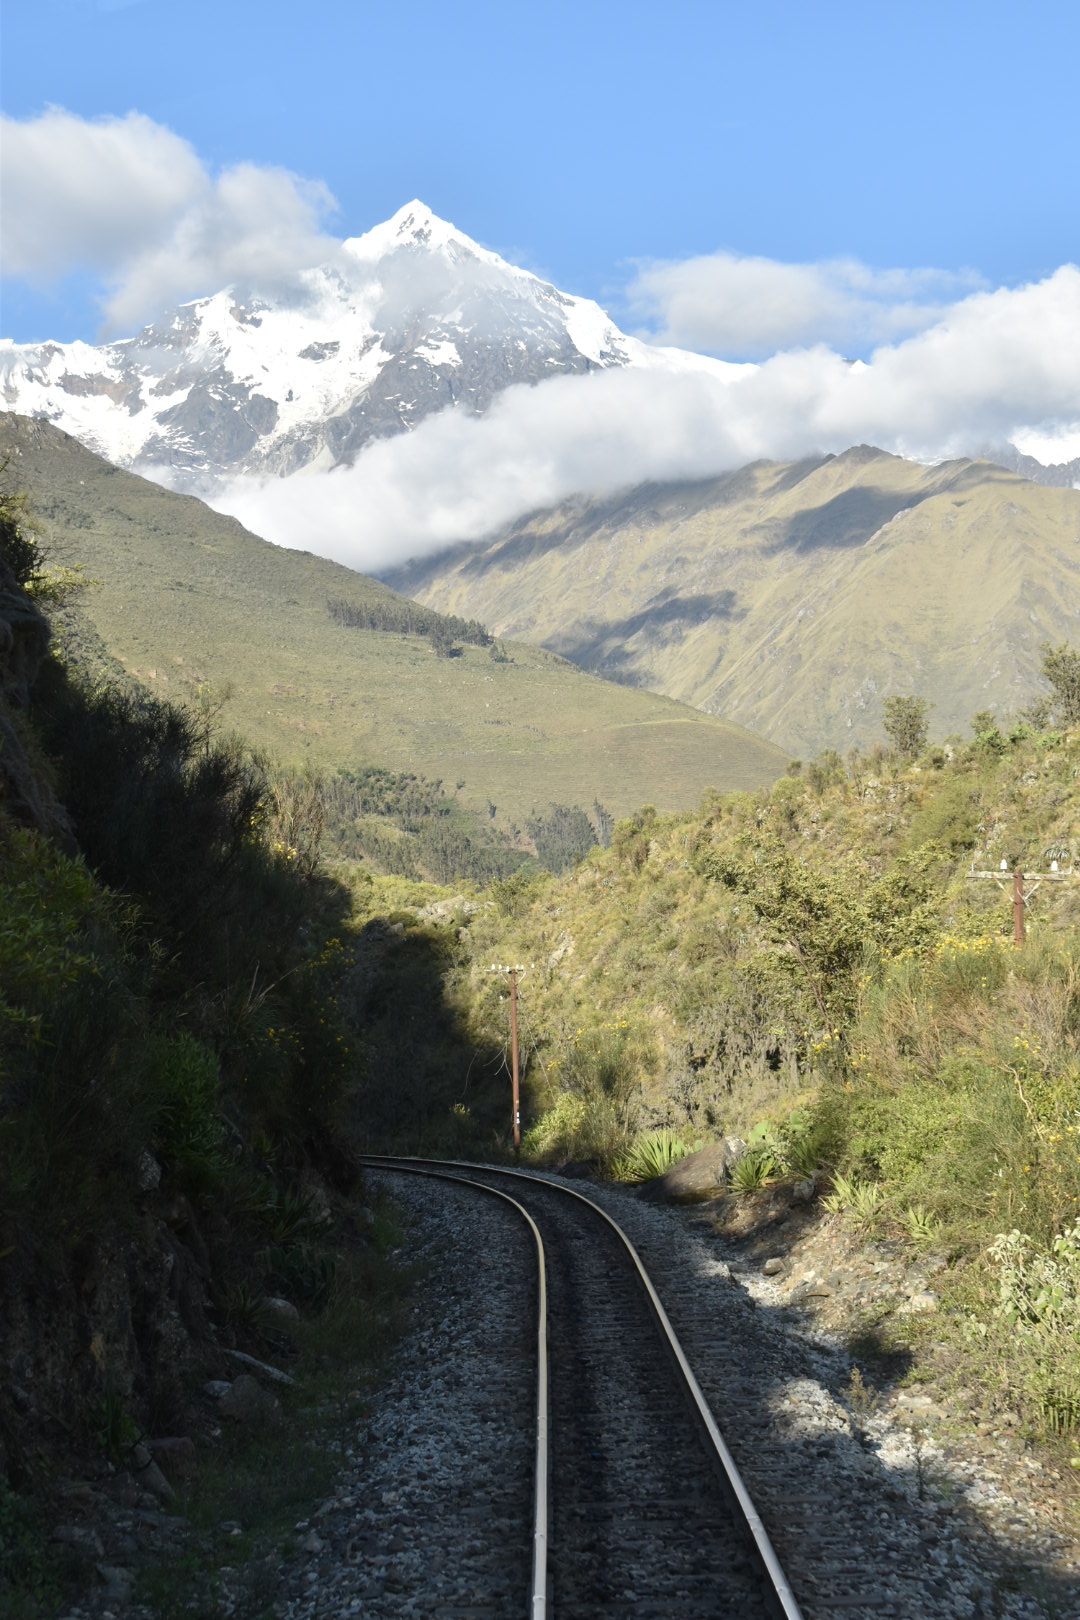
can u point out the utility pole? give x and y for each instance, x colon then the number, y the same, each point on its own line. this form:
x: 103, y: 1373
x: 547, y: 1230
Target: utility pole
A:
x: 1024, y: 885
x: 515, y: 1073
x: 514, y: 1051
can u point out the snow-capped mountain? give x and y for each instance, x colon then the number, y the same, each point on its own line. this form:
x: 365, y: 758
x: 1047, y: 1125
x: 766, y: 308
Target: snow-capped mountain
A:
x: 409, y: 318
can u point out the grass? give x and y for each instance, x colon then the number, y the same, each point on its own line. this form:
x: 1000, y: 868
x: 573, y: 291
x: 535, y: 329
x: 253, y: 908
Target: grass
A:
x: 188, y: 603
x: 814, y: 586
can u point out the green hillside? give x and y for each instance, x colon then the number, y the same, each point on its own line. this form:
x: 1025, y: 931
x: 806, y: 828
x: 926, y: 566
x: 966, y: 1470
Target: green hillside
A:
x: 792, y: 598
x: 827, y: 969
x: 186, y: 599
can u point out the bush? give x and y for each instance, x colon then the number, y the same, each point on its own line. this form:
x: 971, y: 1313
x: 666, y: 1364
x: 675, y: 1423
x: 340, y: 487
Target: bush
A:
x: 185, y: 1084
x: 70, y: 1020
x: 1038, y: 1306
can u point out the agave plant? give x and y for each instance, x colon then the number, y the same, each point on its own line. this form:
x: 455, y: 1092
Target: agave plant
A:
x: 753, y: 1169
x: 919, y: 1225
x: 650, y: 1156
x: 861, y: 1201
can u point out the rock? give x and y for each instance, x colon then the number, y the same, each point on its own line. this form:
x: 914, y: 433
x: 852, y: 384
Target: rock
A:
x: 921, y: 1303
x: 275, y: 1374
x: 246, y: 1401
x: 176, y: 1455
x: 803, y: 1191
x: 216, y: 1388
x: 118, y: 1581
x: 700, y: 1175
x: 149, y: 1475
x: 148, y: 1172
x: 774, y: 1267
x: 77, y: 1535
x: 578, y: 1170
x: 313, y: 1542
x: 283, y: 1309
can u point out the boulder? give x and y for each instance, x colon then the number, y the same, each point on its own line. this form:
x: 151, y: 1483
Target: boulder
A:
x: 175, y: 1454
x: 246, y: 1402
x: 282, y: 1309
x: 148, y: 1475
x: 699, y: 1176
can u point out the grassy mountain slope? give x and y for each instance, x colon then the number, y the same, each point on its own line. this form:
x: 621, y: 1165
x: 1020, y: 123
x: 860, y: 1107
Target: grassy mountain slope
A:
x: 188, y: 599
x: 792, y: 598
x: 813, y: 967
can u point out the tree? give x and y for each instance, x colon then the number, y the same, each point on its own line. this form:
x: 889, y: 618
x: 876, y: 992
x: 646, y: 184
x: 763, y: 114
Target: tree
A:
x: 906, y: 723
x: 1061, y: 669
x: 562, y: 837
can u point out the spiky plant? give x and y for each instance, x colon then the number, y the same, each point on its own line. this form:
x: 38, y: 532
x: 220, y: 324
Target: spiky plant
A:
x: 651, y: 1156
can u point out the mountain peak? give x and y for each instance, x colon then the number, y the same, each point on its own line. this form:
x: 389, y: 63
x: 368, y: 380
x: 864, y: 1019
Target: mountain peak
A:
x: 413, y: 226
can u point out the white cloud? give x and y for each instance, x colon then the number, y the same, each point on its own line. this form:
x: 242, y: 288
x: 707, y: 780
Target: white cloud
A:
x: 134, y: 202
x: 996, y: 363
x: 747, y: 308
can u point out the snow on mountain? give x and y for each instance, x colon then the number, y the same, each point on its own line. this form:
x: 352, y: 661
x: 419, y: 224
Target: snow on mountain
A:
x: 410, y: 318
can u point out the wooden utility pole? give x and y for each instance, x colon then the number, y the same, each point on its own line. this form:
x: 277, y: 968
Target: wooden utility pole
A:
x: 1024, y: 885
x: 514, y: 1061
x: 515, y: 1070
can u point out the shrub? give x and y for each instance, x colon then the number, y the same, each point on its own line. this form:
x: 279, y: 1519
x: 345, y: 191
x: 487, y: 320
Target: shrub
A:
x: 906, y: 724
x: 1039, y: 1306
x: 184, y: 1081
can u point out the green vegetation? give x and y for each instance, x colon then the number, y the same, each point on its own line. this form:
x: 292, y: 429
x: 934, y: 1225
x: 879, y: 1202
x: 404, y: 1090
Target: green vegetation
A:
x: 400, y: 823
x: 563, y: 836
x: 398, y: 616
x: 811, y: 967
x: 1061, y: 668
x: 816, y: 586
x: 197, y: 1022
x: 650, y: 1156
x: 189, y: 605
x: 907, y: 724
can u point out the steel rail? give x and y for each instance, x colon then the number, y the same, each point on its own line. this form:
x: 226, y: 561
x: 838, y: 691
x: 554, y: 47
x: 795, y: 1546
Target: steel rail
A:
x: 782, y: 1597
x: 538, y: 1600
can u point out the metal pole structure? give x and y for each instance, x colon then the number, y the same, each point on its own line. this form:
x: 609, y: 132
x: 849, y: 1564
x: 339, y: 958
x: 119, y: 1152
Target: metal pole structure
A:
x: 514, y: 1060
x: 1018, y: 907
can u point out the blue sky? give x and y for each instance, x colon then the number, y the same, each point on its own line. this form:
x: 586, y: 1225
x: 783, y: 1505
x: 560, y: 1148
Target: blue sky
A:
x: 584, y: 140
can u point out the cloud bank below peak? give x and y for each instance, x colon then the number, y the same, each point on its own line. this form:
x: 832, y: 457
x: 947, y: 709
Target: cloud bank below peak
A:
x: 998, y: 363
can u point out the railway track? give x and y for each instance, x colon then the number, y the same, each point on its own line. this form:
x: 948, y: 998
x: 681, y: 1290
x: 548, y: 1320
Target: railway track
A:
x: 639, y: 1509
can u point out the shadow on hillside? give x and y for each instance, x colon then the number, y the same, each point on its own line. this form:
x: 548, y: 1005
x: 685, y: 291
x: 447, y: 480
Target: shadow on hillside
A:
x: 666, y: 619
x: 848, y: 520
x: 429, y: 1085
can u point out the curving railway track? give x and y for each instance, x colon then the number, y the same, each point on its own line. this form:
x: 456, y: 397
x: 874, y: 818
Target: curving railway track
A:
x: 638, y: 1507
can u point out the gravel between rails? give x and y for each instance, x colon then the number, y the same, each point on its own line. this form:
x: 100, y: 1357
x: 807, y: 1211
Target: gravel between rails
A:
x: 639, y: 1523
